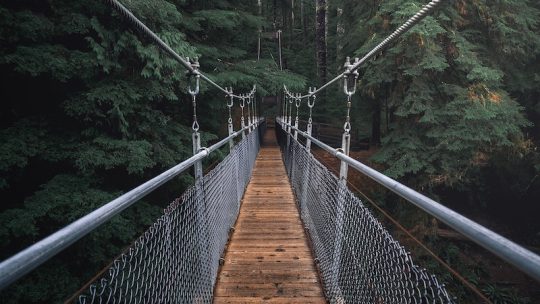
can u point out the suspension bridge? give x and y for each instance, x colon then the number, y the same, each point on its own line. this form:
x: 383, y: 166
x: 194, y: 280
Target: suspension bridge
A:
x: 268, y: 224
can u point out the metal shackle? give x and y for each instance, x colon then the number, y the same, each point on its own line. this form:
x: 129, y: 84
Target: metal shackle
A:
x: 346, y: 79
x: 311, y: 97
x: 230, y: 102
x: 195, y: 73
x: 195, y: 91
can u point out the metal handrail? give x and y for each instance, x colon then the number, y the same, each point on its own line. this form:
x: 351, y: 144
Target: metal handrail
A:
x: 522, y: 258
x: 28, y: 259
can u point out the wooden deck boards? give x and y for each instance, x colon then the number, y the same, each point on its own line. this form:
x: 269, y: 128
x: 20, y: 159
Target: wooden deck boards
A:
x: 268, y: 259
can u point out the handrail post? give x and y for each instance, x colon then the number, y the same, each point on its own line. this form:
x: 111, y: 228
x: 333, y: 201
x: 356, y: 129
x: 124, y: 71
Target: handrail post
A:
x: 340, y: 211
x: 289, y: 116
x: 345, y: 147
x: 307, y: 172
x: 242, y: 121
x: 349, y: 88
x: 288, y: 123
x: 297, y: 101
x: 198, y: 172
x: 283, y: 110
x: 310, y: 104
x: 249, y: 113
x: 231, y: 131
x: 308, y: 131
x: 230, y: 127
x: 203, y: 257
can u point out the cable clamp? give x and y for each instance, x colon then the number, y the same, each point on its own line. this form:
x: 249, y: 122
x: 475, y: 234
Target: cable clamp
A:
x: 197, y: 76
x: 311, y: 97
x: 349, y: 81
x: 229, y: 91
x: 243, y: 101
x: 195, y: 65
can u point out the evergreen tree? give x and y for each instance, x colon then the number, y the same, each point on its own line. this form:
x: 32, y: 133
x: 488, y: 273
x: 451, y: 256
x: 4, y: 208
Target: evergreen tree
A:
x: 449, y: 105
x: 103, y: 110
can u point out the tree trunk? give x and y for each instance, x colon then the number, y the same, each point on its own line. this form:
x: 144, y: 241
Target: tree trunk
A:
x: 376, y: 124
x: 320, y: 39
x: 340, y: 32
x: 386, y: 114
x: 274, y: 8
x: 292, y: 14
x: 285, y: 25
x: 303, y: 19
x: 259, y: 4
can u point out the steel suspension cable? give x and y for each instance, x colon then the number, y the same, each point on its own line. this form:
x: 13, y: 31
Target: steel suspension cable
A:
x: 404, y: 28
x: 129, y: 16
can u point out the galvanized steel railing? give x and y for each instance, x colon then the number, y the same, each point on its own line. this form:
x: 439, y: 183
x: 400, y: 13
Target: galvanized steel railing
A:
x: 30, y: 258
x: 177, y: 257
x: 358, y: 259
x: 337, y: 221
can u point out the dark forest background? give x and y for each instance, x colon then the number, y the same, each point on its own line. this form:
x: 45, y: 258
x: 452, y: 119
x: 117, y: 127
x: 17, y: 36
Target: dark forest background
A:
x: 90, y: 109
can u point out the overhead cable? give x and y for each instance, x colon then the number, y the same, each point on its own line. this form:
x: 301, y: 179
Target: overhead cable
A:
x: 405, y: 27
x: 192, y: 68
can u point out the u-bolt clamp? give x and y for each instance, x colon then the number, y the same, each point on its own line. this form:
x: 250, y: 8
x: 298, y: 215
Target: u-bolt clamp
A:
x: 195, y: 65
x: 195, y: 91
x: 346, y: 87
x: 230, y: 102
x: 243, y: 101
x: 311, y: 97
x: 297, y: 100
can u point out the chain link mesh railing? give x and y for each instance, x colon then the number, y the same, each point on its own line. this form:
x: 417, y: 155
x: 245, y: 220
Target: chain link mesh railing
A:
x: 359, y: 260
x: 177, y: 259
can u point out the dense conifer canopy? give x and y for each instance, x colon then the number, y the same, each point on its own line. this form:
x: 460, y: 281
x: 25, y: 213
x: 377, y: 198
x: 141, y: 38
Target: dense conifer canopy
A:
x: 91, y: 108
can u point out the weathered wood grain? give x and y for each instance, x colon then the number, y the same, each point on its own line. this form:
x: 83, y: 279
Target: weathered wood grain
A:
x: 268, y: 259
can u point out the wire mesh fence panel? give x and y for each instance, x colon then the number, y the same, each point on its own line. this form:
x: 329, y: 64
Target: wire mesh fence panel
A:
x: 359, y: 260
x: 177, y: 259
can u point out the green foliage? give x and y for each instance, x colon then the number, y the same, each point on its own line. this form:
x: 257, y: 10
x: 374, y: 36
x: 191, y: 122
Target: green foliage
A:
x: 449, y: 103
x: 504, y: 295
x: 457, y: 98
x: 64, y: 199
x: 103, y: 111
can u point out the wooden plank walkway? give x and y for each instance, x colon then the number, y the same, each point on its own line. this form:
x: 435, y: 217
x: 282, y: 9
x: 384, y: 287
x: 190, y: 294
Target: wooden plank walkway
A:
x: 268, y: 259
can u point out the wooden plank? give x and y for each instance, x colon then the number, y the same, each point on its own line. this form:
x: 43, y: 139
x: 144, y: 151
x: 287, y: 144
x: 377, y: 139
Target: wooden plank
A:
x: 288, y: 290
x: 268, y: 259
x: 269, y: 300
